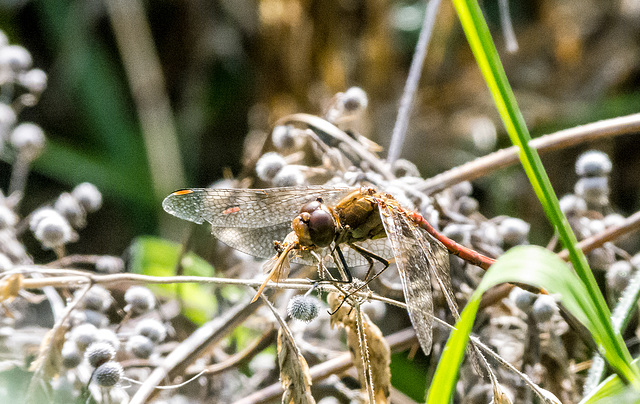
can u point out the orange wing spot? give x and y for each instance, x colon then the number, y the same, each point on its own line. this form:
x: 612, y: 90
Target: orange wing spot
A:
x: 231, y: 210
x: 183, y: 192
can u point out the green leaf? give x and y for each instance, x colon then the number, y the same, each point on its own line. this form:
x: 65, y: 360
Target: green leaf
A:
x: 157, y: 257
x: 541, y: 268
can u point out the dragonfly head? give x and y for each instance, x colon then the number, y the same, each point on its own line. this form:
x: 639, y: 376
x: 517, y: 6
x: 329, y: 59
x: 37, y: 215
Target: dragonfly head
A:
x: 315, y: 225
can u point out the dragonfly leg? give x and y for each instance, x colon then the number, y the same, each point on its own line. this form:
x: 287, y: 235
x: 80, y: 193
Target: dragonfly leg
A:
x: 370, y: 256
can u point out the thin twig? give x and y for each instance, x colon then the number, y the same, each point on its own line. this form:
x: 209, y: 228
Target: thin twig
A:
x: 413, y: 80
x: 629, y: 225
x: 144, y: 72
x: 482, y: 166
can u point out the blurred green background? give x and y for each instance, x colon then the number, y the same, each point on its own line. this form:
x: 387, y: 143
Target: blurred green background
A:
x: 231, y: 68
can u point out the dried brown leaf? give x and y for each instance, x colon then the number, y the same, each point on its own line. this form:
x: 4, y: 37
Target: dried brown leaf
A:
x: 10, y: 287
x: 378, y: 350
x: 294, y: 371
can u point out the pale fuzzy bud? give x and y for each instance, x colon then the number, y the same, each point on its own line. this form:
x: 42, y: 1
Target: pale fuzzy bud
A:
x: 28, y: 139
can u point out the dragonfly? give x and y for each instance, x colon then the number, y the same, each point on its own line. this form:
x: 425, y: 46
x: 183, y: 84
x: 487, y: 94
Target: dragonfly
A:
x: 361, y: 224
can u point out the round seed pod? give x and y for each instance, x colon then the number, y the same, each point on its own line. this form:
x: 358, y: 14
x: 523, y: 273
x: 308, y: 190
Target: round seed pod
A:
x: 140, y: 346
x: 69, y: 207
x: 289, y: 176
x: 35, y: 80
x: 15, y: 58
x: 84, y: 335
x: 109, y: 264
x: 52, y: 230
x: 269, y: 165
x: 618, y: 275
x: 28, y: 139
x: 109, y: 337
x: 108, y: 374
x: 544, y: 308
x: 283, y: 137
x: 152, y: 329
x: 139, y: 299
x: 354, y: 99
x: 573, y: 205
x: 514, y: 231
x: 71, y: 356
x: 522, y: 299
x: 97, y: 298
x: 99, y: 353
x: 303, y: 308
x: 88, y: 195
x: 593, y: 163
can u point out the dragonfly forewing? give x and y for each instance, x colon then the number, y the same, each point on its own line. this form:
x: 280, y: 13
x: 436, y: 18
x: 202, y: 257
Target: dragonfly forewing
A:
x: 252, y: 208
x: 413, y: 268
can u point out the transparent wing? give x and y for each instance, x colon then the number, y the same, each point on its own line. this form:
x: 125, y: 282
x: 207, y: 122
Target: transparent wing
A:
x: 438, y: 263
x: 413, y: 267
x: 252, y: 208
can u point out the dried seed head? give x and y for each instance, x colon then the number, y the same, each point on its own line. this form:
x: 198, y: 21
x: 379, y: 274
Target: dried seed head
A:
x: 108, y: 374
x: 71, y: 356
x: 28, y: 139
x: 5, y: 263
x: 283, y: 137
x: 109, y: 264
x: 468, y: 205
x: 140, y: 346
x: 594, y: 190
x: 152, y: 329
x: 544, y: 308
x: 269, y: 165
x: 84, y: 335
x: 109, y: 337
x: 461, y: 189
x: 15, y: 58
x: 613, y: 220
x: 457, y: 232
x: 514, y: 231
x: 304, y: 308
x: 70, y: 208
x: 404, y: 168
x: 89, y: 317
x: 88, y: 196
x: 600, y: 258
x: 354, y: 100
x: 139, y: 299
x: 289, y: 176
x: 97, y: 298
x: 593, y: 163
x: 99, y: 353
x: 35, y: 80
x: 53, y: 230
x: 7, y: 119
x: 8, y: 218
x: 618, y: 275
x: 522, y: 299
x: 573, y: 205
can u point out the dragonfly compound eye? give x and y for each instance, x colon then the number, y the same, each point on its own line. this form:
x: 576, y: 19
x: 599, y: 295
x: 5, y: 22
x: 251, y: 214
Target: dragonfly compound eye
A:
x: 322, y: 228
x: 311, y: 207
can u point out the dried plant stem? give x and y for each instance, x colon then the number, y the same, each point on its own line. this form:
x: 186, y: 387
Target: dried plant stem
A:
x: 483, y: 166
x: 43, y: 371
x: 629, y: 225
x: 364, y: 354
x: 144, y: 72
x: 19, y: 174
x: 413, y: 80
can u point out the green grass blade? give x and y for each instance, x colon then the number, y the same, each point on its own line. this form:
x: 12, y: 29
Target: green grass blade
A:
x: 539, y: 267
x: 484, y: 50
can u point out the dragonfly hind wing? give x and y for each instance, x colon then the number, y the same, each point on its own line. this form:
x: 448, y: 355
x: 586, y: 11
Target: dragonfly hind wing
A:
x: 414, y: 274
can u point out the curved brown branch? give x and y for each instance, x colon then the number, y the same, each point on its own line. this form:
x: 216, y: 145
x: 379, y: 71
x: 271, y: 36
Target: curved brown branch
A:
x: 506, y: 157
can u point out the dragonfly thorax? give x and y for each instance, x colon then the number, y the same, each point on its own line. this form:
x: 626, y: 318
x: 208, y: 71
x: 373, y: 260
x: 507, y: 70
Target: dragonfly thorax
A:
x: 315, y: 226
